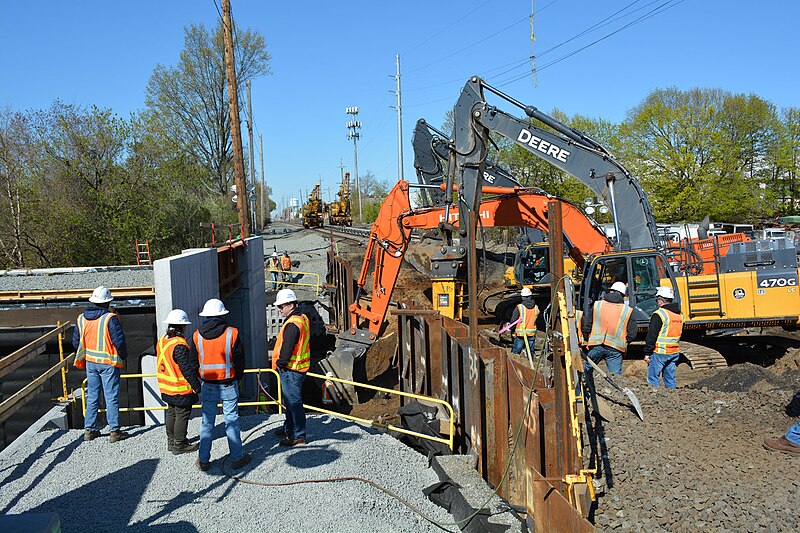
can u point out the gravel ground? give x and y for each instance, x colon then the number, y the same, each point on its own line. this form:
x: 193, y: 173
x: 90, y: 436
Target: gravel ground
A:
x: 136, y: 484
x: 139, y: 277
x: 696, y: 462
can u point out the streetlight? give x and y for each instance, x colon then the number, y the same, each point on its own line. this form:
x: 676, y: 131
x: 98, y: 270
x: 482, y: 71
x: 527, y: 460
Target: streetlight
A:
x: 353, y: 126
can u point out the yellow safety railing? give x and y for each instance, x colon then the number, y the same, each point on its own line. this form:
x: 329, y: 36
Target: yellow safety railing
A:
x: 448, y: 441
x: 317, y: 286
x: 196, y: 406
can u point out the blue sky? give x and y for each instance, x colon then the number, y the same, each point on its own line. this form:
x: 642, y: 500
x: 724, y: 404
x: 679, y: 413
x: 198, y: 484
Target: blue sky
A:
x: 331, y: 55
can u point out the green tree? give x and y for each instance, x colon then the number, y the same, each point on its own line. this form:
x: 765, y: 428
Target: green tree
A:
x: 189, y: 102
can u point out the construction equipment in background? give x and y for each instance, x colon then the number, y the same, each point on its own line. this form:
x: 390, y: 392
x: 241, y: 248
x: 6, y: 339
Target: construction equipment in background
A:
x: 339, y: 211
x: 143, y: 253
x: 314, y: 209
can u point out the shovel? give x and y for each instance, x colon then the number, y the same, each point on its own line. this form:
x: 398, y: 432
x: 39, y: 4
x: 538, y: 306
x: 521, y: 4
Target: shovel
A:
x: 628, y: 392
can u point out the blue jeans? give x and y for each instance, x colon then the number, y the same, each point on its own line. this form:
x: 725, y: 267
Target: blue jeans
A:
x: 598, y: 353
x: 519, y: 344
x: 292, y: 392
x: 105, y: 378
x: 793, y: 435
x: 662, y: 365
x: 211, y: 394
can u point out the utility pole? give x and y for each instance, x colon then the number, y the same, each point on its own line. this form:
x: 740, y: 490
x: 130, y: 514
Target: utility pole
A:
x: 399, y: 123
x: 263, y: 181
x: 353, y: 126
x: 236, y: 126
x: 251, y: 195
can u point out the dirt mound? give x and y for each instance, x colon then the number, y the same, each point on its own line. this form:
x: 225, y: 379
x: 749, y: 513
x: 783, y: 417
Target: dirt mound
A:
x: 789, y: 362
x: 743, y: 378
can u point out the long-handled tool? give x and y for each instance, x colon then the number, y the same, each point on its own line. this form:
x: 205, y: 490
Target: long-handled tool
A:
x: 509, y: 326
x: 628, y: 392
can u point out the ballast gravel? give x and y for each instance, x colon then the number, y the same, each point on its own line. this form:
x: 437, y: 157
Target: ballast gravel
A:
x: 137, y: 484
x: 33, y: 281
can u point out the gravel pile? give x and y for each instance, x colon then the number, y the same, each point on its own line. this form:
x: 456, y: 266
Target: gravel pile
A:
x: 136, y: 484
x: 696, y: 462
x: 139, y: 277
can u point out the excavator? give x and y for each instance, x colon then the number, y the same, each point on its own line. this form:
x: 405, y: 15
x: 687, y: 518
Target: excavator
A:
x: 313, y: 210
x: 339, y: 211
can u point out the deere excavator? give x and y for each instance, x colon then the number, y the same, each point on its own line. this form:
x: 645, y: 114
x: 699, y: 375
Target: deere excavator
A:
x: 339, y: 211
x: 313, y: 210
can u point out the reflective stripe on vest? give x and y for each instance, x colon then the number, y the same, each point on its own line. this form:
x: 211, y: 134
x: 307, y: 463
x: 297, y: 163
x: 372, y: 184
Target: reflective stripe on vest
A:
x: 670, y: 332
x: 216, y: 358
x: 170, y: 377
x: 609, y: 325
x: 527, y: 327
x: 95, y: 344
x: 301, y: 352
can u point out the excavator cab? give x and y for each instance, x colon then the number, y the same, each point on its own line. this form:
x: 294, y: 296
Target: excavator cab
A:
x: 532, y: 264
x: 642, y: 271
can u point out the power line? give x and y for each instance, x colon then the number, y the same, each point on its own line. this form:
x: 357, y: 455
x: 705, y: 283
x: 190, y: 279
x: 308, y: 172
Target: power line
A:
x: 438, y: 33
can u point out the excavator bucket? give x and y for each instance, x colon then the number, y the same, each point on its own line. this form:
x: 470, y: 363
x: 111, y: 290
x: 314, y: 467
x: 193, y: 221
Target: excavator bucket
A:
x: 348, y: 362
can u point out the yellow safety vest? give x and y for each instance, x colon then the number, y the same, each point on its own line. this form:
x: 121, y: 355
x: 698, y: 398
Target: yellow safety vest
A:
x: 670, y: 332
x: 527, y: 327
x: 95, y: 343
x: 609, y: 325
x: 301, y: 353
x: 170, y: 377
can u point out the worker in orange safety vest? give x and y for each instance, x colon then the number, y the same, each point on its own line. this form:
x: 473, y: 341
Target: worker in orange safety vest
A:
x: 291, y: 357
x: 661, y: 348
x: 101, y: 349
x: 286, y: 268
x: 526, y: 312
x: 178, y: 380
x: 608, y: 329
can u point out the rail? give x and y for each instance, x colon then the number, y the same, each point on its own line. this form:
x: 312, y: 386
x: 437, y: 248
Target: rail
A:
x: 389, y: 427
x: 317, y: 286
x: 18, y: 358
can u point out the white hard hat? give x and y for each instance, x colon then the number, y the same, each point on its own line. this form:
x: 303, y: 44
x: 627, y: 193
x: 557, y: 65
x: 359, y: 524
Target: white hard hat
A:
x: 177, y: 317
x: 666, y: 293
x: 214, y: 307
x: 285, y: 296
x: 274, y: 254
x: 525, y: 292
x: 101, y: 295
x: 619, y: 287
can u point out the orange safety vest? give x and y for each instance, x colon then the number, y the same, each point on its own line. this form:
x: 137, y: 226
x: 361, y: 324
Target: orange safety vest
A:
x: 95, y: 343
x: 527, y: 327
x: 609, y: 325
x: 670, y: 332
x: 286, y: 262
x: 216, y: 355
x: 170, y: 377
x: 301, y: 353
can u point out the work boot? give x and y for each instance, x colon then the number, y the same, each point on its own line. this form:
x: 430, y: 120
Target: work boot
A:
x: 292, y: 442
x: 241, y: 462
x: 90, y: 434
x: 781, y: 444
x: 118, y: 436
x: 184, y: 447
x: 170, y: 444
x: 202, y: 466
x: 281, y: 433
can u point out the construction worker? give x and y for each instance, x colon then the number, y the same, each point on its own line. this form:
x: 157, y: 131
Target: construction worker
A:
x: 286, y: 268
x: 661, y: 349
x: 178, y: 380
x: 526, y: 312
x: 788, y: 443
x: 291, y: 357
x: 100, y: 348
x: 275, y: 269
x: 221, y: 360
x: 608, y: 329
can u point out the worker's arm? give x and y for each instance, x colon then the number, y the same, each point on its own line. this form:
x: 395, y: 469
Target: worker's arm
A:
x: 652, y: 334
x: 118, y: 337
x: 238, y: 357
x: 631, y: 331
x: 291, y: 336
x: 586, y: 322
x: 514, y: 315
x: 76, y: 336
x: 188, y: 365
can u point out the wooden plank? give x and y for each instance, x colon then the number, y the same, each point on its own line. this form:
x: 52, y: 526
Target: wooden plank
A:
x: 29, y: 351
x: 28, y: 392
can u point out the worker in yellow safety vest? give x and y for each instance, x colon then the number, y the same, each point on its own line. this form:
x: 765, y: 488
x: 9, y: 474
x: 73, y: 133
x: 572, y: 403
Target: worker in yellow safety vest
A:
x: 286, y: 268
x: 661, y: 348
x: 608, y: 329
x: 291, y: 357
x: 274, y: 267
x: 101, y: 349
x: 526, y: 313
x: 178, y: 380
x: 220, y: 356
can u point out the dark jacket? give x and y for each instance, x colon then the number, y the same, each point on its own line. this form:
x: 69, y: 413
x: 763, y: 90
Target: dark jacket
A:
x: 528, y: 302
x: 291, y: 336
x: 655, y: 327
x: 93, y: 312
x: 211, y: 328
x: 186, y: 358
x: 588, y: 318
